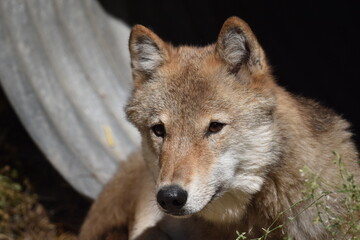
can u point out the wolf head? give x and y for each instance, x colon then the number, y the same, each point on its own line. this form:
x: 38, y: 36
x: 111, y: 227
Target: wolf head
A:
x: 206, y: 119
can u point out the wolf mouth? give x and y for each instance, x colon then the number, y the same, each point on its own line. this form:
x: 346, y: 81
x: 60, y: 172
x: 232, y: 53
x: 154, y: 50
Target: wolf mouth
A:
x: 180, y: 213
x: 184, y: 213
x: 216, y: 195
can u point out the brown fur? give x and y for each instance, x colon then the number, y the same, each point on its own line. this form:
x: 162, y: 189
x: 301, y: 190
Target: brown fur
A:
x: 268, y: 132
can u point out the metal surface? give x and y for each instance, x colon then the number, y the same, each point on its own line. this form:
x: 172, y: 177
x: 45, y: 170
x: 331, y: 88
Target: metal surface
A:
x: 64, y: 65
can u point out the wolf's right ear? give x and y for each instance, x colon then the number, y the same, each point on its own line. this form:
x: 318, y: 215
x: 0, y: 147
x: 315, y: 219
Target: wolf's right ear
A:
x: 147, y: 51
x: 237, y: 46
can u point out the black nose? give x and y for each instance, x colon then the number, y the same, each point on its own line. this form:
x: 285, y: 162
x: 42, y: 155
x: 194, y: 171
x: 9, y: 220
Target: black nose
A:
x: 171, y: 198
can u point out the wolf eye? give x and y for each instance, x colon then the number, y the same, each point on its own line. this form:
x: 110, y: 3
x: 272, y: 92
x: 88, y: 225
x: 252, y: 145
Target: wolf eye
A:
x: 215, y: 127
x: 158, y: 130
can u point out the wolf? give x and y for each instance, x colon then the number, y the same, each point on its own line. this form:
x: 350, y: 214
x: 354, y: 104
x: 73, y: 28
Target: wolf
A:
x: 223, y: 147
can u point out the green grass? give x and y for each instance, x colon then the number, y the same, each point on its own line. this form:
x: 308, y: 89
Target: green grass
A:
x: 338, y: 226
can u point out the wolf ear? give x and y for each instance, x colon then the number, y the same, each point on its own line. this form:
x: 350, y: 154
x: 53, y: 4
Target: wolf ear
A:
x: 238, y: 46
x: 147, y: 51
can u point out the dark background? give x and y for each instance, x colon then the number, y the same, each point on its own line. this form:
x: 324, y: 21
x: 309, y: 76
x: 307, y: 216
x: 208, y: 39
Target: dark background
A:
x: 313, y: 46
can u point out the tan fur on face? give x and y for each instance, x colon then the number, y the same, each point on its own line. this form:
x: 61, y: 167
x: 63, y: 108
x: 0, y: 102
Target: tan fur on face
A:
x: 242, y: 178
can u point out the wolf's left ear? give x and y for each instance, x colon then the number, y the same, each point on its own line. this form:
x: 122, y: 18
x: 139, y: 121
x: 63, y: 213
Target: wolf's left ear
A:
x: 147, y: 51
x: 238, y: 46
